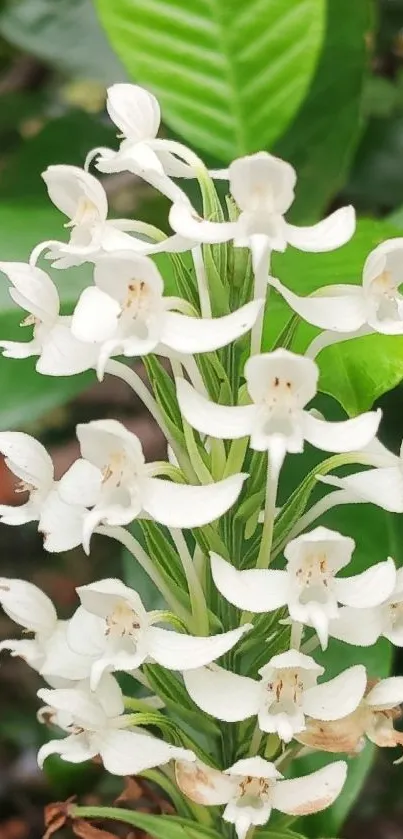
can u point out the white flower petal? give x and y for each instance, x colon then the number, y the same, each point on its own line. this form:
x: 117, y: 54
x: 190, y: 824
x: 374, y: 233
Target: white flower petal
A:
x: 203, y: 784
x: 129, y: 753
x: 22, y: 514
x: 179, y: 505
x: 331, y: 233
x: 61, y: 524
x: 26, y: 458
x: 224, y: 695
x: 187, y: 652
x: 350, y: 435
x: 103, y: 596
x: 30, y: 650
x: 74, y: 749
x: 368, y: 589
x: 338, y: 697
x: 257, y: 590
x: 134, y: 110
x: 20, y: 349
x: 261, y: 371
x: 27, y: 605
x: 388, y: 693
x: 95, y: 317
x: 81, y: 484
x: 264, y: 179
x: 72, y: 191
x: 197, y: 335
x: 79, y: 703
x: 60, y: 660
x: 311, y: 793
x: 33, y: 289
x: 63, y: 355
x: 340, y: 309
x: 226, y: 422
x: 184, y: 220
x: 383, y: 487
x: 359, y: 627
x: 255, y: 767
x: 86, y: 633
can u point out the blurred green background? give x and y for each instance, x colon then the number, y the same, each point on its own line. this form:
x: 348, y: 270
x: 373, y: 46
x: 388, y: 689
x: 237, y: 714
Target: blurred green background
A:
x: 318, y: 82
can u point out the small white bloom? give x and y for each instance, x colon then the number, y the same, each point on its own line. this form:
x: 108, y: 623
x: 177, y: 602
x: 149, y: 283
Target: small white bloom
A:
x: 113, y: 478
x: 114, y: 628
x: 82, y: 198
x: 363, y: 627
x: 60, y: 353
x: 136, y: 113
x: 125, y: 313
x: 96, y: 725
x: 382, y: 486
x: 47, y: 652
x: 263, y: 188
x: 308, y: 586
x: 280, y: 385
x: 286, y: 693
x: 373, y: 718
x: 377, y: 304
x: 252, y: 788
x: 61, y: 524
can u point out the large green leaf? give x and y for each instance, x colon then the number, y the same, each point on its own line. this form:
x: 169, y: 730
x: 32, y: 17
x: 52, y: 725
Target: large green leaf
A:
x: 66, y: 34
x: 355, y: 372
x: 230, y: 75
x: 160, y: 827
x: 319, y: 145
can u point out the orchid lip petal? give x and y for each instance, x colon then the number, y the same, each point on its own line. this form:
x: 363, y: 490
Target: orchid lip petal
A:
x: 331, y: 233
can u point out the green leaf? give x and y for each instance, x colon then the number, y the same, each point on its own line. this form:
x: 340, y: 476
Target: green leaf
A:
x: 161, y: 827
x: 65, y: 34
x: 319, y: 145
x: 266, y: 833
x: 356, y: 372
x: 230, y: 75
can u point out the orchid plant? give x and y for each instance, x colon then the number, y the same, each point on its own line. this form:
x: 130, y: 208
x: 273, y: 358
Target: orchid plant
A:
x: 226, y: 686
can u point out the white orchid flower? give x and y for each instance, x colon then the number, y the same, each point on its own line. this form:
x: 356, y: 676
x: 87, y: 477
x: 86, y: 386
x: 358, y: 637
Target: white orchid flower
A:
x: 373, y: 718
x: 114, y: 628
x: 136, y: 113
x: 126, y: 313
x: 82, y: 198
x: 60, y: 523
x: 308, y: 586
x: 96, y: 725
x: 253, y: 787
x: 47, y: 652
x: 348, y: 310
x: 363, y: 627
x: 60, y: 353
x: 113, y: 478
x: 280, y: 385
x: 263, y: 188
x: 382, y: 485
x: 285, y: 695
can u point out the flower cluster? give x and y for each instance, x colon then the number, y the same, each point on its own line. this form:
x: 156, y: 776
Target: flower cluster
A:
x: 231, y: 413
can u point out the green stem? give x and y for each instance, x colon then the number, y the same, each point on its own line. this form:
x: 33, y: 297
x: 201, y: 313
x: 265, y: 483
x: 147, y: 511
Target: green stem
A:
x: 255, y: 742
x: 202, y: 284
x: 236, y: 457
x: 196, y: 593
